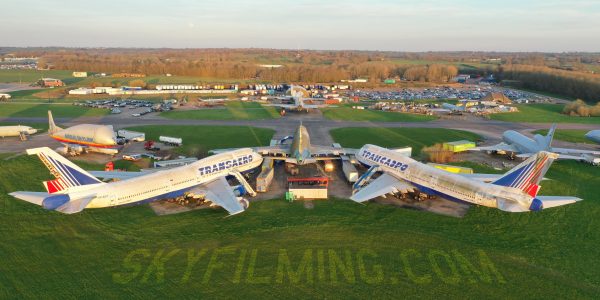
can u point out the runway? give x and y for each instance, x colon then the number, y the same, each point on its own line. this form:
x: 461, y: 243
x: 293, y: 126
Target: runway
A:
x: 316, y: 124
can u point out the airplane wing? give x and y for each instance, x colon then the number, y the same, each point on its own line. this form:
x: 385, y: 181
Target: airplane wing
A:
x: 318, y: 151
x: 574, y: 151
x: 277, y: 151
x: 481, y: 176
x: 384, y: 184
x: 498, y: 147
x: 286, y: 106
x: 560, y: 156
x: 221, y: 193
x: 118, y: 174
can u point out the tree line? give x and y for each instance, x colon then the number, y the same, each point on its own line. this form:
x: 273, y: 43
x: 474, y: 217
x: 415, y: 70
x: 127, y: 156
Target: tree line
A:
x: 579, y: 85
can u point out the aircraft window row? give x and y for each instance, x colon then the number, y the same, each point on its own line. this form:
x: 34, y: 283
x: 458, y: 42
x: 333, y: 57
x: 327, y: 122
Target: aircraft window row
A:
x: 139, y: 194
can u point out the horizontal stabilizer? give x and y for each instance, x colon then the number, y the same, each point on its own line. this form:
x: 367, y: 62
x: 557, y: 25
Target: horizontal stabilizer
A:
x: 31, y: 197
x: 384, y: 184
x: 553, y: 201
x: 75, y: 206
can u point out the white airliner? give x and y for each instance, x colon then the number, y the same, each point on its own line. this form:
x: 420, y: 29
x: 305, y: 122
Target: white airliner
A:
x: 514, y: 142
x: 16, y: 130
x: 298, y: 95
x: 515, y: 191
x: 75, y: 189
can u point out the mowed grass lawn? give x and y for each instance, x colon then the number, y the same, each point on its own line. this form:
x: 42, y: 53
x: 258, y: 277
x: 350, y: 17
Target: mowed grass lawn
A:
x: 41, y: 110
x: 234, y: 110
x: 197, y: 140
x: 417, y: 138
x: 350, y: 114
x: 568, y: 135
x: 542, y: 113
x: 337, y: 249
x: 30, y: 76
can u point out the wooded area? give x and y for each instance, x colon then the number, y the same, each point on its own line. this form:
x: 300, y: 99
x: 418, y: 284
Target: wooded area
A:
x: 568, y: 74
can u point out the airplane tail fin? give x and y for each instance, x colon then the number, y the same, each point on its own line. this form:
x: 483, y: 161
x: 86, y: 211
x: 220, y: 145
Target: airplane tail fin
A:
x: 67, y: 174
x: 550, y: 136
x: 527, y: 175
x: 52, y: 128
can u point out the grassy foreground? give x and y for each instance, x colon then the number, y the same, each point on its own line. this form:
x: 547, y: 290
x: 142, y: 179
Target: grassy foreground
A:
x: 276, y: 249
x: 350, y: 114
x: 41, y: 110
x: 542, y: 113
x: 281, y: 250
x: 417, y: 138
x: 234, y: 110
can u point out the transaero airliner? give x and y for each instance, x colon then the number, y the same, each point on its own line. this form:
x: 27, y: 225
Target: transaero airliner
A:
x: 515, y: 191
x: 75, y: 189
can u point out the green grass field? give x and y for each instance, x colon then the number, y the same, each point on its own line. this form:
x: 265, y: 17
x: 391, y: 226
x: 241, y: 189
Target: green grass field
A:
x: 350, y: 114
x: 234, y: 110
x: 41, y: 110
x: 355, y: 137
x: 542, y: 113
x: 349, y: 250
x: 197, y: 140
x: 31, y: 76
x: 568, y: 135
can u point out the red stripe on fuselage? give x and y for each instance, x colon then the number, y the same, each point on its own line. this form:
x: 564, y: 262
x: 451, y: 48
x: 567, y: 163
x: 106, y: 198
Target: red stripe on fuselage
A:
x: 63, y: 140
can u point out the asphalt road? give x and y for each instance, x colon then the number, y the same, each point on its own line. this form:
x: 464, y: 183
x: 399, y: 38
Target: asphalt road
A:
x: 316, y: 124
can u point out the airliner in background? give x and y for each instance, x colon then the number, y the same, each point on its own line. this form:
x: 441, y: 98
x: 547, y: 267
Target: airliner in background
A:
x: 16, y: 130
x: 74, y: 189
x: 298, y: 94
x: 84, y: 137
x: 516, y: 143
x: 515, y: 191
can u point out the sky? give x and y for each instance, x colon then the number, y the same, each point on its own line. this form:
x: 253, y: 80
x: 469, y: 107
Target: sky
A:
x: 401, y: 25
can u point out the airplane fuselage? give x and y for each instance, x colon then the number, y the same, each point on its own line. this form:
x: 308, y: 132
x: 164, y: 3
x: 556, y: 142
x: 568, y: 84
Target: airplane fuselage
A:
x: 521, y: 142
x: 91, y: 137
x: 593, y: 135
x: 431, y: 180
x: 16, y: 130
x: 169, y: 183
x: 300, y: 147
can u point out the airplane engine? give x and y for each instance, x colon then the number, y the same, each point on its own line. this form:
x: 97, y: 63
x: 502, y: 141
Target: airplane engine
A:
x: 239, y: 191
x: 244, y: 202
